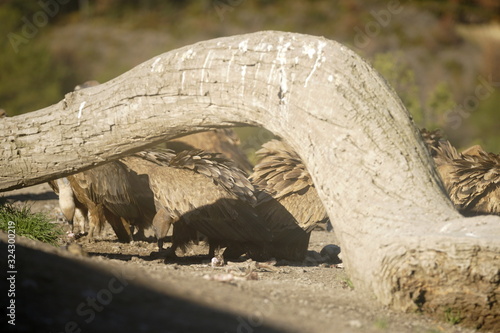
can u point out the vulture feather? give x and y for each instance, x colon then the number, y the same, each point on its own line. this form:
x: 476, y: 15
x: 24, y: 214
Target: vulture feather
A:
x: 474, y: 183
x: 287, y: 200
x: 119, y: 194
x: 432, y: 139
x: 224, y: 141
x: 471, y: 178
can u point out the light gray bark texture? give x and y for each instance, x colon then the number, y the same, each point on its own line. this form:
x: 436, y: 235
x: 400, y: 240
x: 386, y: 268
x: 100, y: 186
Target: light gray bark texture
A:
x: 401, y: 239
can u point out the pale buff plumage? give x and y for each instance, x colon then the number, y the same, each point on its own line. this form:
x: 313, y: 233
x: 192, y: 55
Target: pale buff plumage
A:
x: 287, y: 200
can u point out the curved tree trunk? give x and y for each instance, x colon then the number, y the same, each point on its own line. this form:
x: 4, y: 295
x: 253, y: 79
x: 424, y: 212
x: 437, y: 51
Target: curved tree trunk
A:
x: 402, y: 240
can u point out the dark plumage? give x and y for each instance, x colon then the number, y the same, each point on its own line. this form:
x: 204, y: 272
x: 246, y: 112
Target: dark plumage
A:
x: 287, y: 199
x: 119, y: 194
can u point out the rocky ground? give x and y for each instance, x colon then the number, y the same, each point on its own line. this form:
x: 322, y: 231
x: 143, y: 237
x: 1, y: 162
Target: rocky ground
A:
x: 106, y: 286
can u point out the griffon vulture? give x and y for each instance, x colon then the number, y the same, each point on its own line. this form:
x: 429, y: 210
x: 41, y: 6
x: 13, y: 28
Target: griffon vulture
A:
x: 471, y: 178
x: 115, y: 193
x: 287, y: 200
x: 196, y: 191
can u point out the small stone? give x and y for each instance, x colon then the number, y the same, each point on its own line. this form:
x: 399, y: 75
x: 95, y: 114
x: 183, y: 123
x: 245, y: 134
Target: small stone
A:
x: 331, y: 252
x: 355, y: 323
x: 76, y: 249
x: 217, y: 261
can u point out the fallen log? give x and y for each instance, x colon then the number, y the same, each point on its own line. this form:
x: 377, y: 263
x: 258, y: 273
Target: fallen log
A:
x: 401, y: 238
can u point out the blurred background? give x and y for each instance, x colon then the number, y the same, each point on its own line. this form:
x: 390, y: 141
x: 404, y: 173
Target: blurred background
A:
x: 442, y: 57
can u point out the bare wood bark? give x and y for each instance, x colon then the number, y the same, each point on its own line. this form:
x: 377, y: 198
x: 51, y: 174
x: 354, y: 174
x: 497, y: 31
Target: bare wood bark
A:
x: 402, y: 240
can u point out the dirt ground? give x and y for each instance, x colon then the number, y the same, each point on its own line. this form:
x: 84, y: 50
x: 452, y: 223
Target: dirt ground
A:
x: 106, y: 286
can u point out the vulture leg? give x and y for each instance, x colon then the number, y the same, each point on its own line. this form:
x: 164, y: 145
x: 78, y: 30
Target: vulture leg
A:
x: 125, y: 230
x: 287, y: 202
x: 80, y: 220
x: 96, y: 220
x: 233, y: 252
x: 139, y: 235
x: 170, y: 251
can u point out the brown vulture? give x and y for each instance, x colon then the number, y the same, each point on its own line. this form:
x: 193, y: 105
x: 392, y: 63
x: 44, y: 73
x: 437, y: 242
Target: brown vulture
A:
x: 111, y: 192
x: 197, y: 191
x: 471, y: 178
x: 117, y: 192
x: 287, y: 200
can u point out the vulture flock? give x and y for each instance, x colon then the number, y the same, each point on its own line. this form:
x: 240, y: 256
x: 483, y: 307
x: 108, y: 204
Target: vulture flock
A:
x: 200, y: 193
x: 197, y: 187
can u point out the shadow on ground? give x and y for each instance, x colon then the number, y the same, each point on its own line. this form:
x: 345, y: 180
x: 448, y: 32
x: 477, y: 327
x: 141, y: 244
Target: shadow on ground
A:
x: 56, y: 293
